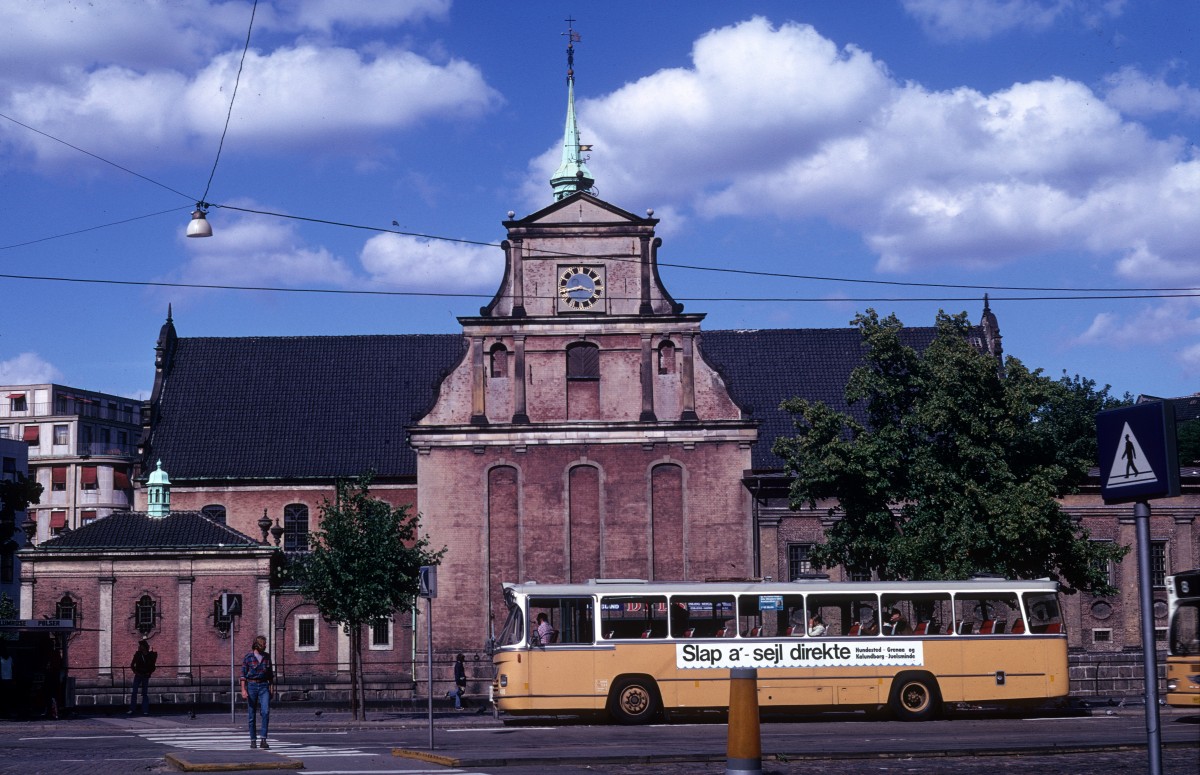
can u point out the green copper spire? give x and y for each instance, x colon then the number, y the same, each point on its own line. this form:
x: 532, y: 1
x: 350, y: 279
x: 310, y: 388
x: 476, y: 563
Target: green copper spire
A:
x: 572, y: 175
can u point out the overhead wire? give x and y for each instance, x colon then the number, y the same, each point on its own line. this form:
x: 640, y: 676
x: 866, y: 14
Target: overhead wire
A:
x: 447, y: 294
x: 237, y: 80
x: 1093, y: 293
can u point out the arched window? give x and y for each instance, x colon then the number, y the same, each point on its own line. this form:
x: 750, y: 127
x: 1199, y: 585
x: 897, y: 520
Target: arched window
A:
x: 498, y: 357
x: 215, y: 512
x: 145, y: 614
x: 66, y: 608
x: 295, y: 527
x: 666, y: 357
x: 583, y: 361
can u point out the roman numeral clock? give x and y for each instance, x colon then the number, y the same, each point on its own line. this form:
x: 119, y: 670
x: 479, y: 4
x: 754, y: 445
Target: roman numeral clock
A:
x: 580, y: 287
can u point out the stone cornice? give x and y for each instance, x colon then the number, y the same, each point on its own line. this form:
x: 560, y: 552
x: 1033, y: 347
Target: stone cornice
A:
x: 739, y: 431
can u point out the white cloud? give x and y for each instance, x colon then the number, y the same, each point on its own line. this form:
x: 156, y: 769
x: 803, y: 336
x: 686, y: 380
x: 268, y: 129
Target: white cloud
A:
x: 413, y: 264
x: 982, y: 19
x: 928, y: 177
x: 50, y: 41
x: 301, y: 93
x: 693, y: 129
x: 28, y: 368
x: 260, y: 251
x: 1167, y: 321
x: 1136, y: 94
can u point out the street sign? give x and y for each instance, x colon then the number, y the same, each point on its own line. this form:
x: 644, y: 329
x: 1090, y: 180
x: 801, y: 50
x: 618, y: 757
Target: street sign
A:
x: 1138, y: 457
x: 427, y: 581
x: 231, y: 604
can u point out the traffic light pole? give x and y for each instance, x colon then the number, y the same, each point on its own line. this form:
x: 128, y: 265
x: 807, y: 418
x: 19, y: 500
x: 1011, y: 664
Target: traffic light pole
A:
x: 429, y: 663
x: 1141, y: 514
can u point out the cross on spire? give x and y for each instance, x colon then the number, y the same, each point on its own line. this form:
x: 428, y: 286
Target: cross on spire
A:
x: 572, y: 38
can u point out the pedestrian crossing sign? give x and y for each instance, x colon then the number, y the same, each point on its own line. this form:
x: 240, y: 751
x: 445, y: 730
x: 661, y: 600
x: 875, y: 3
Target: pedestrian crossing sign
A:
x: 1138, y: 457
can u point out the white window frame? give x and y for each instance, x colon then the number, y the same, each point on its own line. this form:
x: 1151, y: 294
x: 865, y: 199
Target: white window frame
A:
x: 316, y: 646
x: 391, y: 631
x: 1101, y: 635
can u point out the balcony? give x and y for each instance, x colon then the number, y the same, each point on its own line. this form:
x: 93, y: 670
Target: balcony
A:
x: 130, y: 414
x: 109, y: 448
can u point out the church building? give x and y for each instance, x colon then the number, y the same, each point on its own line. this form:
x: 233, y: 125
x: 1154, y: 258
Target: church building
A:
x: 583, y: 425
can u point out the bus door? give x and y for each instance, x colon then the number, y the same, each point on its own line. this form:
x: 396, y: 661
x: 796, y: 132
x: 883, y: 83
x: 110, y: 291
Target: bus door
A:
x: 703, y: 622
x: 561, y: 668
x: 995, y: 665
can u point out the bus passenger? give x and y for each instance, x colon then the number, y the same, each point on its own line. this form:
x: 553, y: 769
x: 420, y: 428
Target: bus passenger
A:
x: 545, y: 631
x: 869, y: 624
x: 895, y: 625
x: 816, y: 627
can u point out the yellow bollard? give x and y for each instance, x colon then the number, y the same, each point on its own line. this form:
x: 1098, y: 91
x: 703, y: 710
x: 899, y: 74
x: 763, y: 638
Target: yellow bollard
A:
x: 743, y: 755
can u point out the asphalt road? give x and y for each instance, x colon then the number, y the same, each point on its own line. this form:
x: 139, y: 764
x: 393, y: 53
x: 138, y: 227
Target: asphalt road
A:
x: 1108, y: 741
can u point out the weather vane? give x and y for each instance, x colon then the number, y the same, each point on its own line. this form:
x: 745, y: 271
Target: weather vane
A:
x: 572, y: 39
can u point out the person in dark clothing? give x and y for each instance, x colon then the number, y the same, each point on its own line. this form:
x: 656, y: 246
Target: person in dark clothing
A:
x: 142, y: 665
x: 460, y: 683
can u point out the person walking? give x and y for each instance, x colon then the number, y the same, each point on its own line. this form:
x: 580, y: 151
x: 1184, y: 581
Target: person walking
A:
x: 257, y: 680
x: 7, y: 695
x: 142, y: 665
x: 460, y: 683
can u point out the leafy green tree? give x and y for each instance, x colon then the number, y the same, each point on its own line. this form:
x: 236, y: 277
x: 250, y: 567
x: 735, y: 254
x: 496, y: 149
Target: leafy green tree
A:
x: 957, y: 468
x: 363, y: 566
x: 1188, y: 439
x: 16, y: 495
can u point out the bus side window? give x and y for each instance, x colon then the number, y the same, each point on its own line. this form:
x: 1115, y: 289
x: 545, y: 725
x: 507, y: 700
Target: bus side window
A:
x: 1042, y: 612
x: 627, y: 617
x: 702, y: 615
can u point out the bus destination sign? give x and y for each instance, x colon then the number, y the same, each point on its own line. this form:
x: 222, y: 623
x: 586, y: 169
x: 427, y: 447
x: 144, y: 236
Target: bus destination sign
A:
x: 768, y: 654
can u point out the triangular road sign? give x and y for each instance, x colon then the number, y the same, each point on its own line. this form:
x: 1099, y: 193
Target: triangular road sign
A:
x: 1130, y: 466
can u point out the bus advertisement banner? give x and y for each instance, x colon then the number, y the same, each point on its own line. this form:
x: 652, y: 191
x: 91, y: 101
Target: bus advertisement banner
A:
x: 768, y: 654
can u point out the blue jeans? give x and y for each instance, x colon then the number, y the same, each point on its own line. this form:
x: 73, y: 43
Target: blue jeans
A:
x: 258, y: 699
x: 142, y: 681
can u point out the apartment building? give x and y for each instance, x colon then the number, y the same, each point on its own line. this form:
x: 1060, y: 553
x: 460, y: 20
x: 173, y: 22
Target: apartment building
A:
x: 81, y: 446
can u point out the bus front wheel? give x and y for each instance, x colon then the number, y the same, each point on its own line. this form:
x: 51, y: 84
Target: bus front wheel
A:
x: 915, y: 697
x: 634, y: 700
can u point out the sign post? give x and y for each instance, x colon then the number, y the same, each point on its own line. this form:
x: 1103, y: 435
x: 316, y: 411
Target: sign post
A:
x: 1139, y: 461
x: 427, y: 588
x: 231, y: 607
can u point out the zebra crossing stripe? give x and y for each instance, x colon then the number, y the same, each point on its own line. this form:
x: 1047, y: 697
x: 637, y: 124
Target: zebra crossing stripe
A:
x: 227, y: 740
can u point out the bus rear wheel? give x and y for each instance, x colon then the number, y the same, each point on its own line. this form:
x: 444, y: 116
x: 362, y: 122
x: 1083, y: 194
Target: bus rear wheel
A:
x: 915, y: 697
x: 634, y: 701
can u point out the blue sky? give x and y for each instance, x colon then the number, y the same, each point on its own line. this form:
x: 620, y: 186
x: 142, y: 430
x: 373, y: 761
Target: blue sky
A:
x: 1046, y: 144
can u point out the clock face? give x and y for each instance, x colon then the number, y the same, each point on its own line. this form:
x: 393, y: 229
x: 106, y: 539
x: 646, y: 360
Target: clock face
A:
x: 579, y: 287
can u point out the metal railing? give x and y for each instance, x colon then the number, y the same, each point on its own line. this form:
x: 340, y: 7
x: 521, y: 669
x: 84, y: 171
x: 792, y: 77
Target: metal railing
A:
x: 385, y: 682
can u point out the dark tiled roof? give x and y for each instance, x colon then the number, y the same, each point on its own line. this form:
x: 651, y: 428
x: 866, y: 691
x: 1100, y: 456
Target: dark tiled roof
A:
x: 1187, y: 408
x: 138, y: 530
x: 764, y: 367
x: 323, y: 407
x: 297, y: 407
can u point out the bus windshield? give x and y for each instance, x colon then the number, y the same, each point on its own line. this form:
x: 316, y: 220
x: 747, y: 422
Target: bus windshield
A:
x: 513, y: 632
x: 1185, y: 630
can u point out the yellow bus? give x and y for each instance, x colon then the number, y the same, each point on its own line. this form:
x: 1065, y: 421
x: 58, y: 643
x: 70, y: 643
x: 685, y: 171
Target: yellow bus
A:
x: 1183, y: 639
x: 639, y: 650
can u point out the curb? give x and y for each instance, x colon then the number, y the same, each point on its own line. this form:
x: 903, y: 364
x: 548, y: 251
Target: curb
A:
x: 807, y: 756
x: 425, y: 756
x: 185, y: 763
